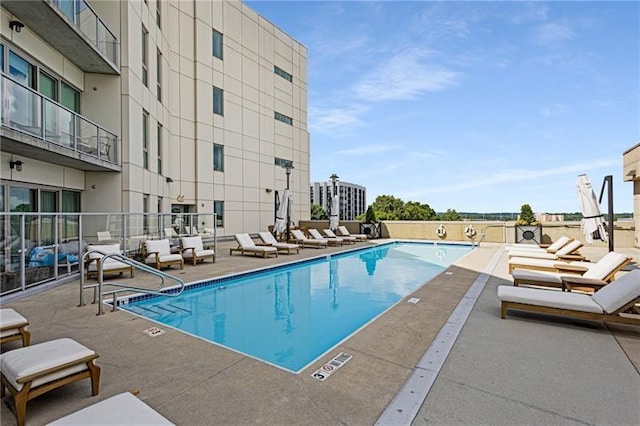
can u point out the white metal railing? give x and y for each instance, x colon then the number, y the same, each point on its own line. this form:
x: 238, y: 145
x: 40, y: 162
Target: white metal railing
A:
x: 27, y: 111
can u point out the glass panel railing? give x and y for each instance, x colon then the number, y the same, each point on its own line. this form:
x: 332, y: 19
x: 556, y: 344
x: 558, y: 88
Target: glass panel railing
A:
x: 27, y: 111
x: 82, y: 15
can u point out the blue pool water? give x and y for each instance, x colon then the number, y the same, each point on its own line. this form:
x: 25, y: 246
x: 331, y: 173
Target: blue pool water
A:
x: 291, y: 315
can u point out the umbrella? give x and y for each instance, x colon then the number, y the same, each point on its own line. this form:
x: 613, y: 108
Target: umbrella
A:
x: 592, y: 219
x: 281, y: 215
x: 334, y: 219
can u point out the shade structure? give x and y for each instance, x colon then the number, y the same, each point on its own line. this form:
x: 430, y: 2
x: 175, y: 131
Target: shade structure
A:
x: 334, y: 219
x: 592, y: 220
x: 281, y: 215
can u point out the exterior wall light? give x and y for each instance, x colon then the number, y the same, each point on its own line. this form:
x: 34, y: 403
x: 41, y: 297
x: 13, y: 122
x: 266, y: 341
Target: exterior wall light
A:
x: 16, y: 26
x: 16, y: 165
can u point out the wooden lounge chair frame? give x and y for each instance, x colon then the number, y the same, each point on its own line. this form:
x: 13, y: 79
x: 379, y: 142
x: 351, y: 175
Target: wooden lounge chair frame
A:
x: 27, y: 393
x: 613, y: 317
x: 341, y: 233
x: 281, y: 246
x: 158, y: 263
x: 96, y: 260
x: 21, y: 332
x: 258, y: 251
x: 346, y: 239
x: 335, y: 242
x: 308, y: 242
x: 571, y: 269
x: 194, y: 256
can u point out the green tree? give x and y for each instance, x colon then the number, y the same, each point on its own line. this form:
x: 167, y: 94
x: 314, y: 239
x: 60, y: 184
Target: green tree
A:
x: 387, y: 207
x: 526, y: 216
x: 451, y: 214
x: 413, y: 210
x: 318, y: 213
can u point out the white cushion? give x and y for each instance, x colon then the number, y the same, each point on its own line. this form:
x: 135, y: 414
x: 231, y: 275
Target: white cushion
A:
x: 164, y: 258
x: 192, y: 242
x: 10, y: 318
x: 569, y: 248
x: 267, y: 237
x: 104, y: 248
x: 550, y: 299
x: 43, y: 356
x: 606, y: 265
x: 199, y: 253
x: 540, y: 276
x: 532, y: 253
x: 620, y: 292
x: 158, y: 246
x: 533, y: 262
x: 285, y: 245
x: 245, y: 241
x: 108, y: 265
x: 122, y: 409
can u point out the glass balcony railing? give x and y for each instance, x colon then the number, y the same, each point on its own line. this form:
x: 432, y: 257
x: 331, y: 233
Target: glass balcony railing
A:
x: 89, y: 23
x: 27, y: 111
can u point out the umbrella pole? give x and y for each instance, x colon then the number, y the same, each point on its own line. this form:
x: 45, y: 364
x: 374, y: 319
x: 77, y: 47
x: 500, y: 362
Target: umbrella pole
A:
x: 608, y: 181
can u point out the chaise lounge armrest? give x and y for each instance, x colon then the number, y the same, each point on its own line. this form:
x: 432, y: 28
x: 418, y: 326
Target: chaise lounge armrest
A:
x: 565, y: 267
x: 577, y: 281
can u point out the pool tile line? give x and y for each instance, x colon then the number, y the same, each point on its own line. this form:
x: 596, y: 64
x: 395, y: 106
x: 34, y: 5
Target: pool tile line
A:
x: 406, y: 404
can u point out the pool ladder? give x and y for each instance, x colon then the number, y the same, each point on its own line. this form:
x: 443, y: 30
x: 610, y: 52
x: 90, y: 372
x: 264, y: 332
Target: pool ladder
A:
x: 99, y: 294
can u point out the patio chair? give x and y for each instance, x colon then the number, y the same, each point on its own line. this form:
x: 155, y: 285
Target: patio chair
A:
x: 344, y: 232
x: 193, y: 249
x: 300, y: 238
x: 104, y: 236
x: 122, y: 409
x: 608, y: 304
x: 567, y: 252
x: 247, y: 246
x: 603, y: 270
x: 552, y: 248
x: 269, y: 240
x: 330, y: 234
x: 158, y: 253
x: 315, y: 235
x: 33, y: 370
x: 109, y: 265
x: 13, y: 326
x: 171, y: 233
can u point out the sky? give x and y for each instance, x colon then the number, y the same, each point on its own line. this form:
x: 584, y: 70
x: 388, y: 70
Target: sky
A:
x: 473, y: 106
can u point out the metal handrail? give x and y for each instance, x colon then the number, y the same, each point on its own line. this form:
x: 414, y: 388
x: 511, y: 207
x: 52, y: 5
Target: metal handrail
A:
x: 123, y: 287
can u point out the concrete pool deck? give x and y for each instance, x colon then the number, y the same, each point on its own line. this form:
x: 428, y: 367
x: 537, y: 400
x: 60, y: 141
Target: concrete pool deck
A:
x: 528, y: 369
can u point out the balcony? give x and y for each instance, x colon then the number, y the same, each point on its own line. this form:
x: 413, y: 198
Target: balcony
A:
x: 37, y: 127
x: 73, y: 29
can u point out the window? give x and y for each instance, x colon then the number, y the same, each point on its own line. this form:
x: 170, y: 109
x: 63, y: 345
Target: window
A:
x: 145, y: 144
x: 48, y: 86
x: 217, y: 44
x: 218, y: 158
x: 282, y: 162
x: 218, y: 209
x: 158, y: 14
x: 70, y: 97
x: 159, y: 148
x: 218, y: 101
x: 145, y: 41
x: 159, y: 204
x: 282, y: 73
x: 159, y: 75
x: 284, y: 118
x: 145, y: 211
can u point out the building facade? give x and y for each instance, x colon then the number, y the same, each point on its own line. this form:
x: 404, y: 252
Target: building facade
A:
x: 353, y: 198
x: 631, y: 173
x: 151, y: 106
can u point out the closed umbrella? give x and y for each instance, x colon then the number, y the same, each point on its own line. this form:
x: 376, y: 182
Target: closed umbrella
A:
x: 592, y: 219
x: 334, y: 219
x: 281, y: 215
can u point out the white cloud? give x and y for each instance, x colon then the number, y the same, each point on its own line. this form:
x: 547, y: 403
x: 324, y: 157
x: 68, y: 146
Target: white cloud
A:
x: 555, y: 109
x: 366, y: 150
x: 404, y: 76
x: 552, y: 33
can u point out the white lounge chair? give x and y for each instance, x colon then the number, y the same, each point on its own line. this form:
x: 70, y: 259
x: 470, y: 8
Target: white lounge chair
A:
x: 171, y: 233
x: 104, y: 236
x: 109, y: 265
x: 347, y: 239
x: 247, y: 246
x: 604, y: 270
x: 13, y: 326
x: 121, y: 409
x: 608, y: 304
x: 158, y: 253
x: 344, y: 232
x: 33, y: 370
x: 300, y: 238
x: 193, y: 250
x: 269, y: 240
x: 567, y: 252
x: 315, y: 235
x: 553, y: 248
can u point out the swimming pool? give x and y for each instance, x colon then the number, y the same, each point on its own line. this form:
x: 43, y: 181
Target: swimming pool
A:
x: 290, y: 315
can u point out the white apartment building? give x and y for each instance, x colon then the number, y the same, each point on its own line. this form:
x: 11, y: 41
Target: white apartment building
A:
x: 353, y: 197
x: 151, y: 106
